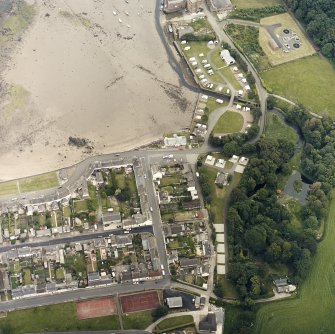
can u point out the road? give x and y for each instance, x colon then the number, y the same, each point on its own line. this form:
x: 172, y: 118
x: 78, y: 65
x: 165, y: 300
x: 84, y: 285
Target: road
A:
x: 78, y: 294
x: 74, y: 238
x: 262, y: 93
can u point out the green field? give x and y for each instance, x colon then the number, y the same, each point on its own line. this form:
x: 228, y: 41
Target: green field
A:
x: 81, y: 206
x: 8, y: 188
x: 229, y: 122
x: 138, y: 320
x: 313, y: 311
x: 256, y: 3
x: 213, y: 105
x: 173, y: 323
x: 219, y: 195
x: 59, y: 317
x: 277, y: 129
x: 39, y: 182
x: 228, y: 74
x: 310, y: 81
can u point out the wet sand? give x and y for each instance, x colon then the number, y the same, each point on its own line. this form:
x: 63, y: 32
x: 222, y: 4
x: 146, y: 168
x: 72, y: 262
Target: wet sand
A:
x: 89, y: 69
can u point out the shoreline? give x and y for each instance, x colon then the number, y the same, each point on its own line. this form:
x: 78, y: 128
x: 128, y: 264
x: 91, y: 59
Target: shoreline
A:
x: 41, y: 145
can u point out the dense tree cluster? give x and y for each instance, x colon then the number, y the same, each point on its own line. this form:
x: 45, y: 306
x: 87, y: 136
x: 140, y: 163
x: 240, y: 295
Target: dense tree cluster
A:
x: 259, y: 228
x: 255, y: 14
x: 319, y: 19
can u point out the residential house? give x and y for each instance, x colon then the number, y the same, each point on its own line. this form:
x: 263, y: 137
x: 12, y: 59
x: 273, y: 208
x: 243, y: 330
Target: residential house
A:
x: 208, y: 324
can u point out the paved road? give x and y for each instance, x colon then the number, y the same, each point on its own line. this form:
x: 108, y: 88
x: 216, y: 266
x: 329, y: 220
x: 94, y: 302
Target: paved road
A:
x: 78, y: 294
x: 74, y: 238
x: 262, y: 93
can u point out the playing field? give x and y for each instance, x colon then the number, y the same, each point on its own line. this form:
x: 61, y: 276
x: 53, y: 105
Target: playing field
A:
x: 278, y: 56
x: 310, y: 81
x: 313, y: 312
x: 229, y: 122
x: 140, y: 302
x: 96, y: 308
x: 8, y: 188
x: 39, y: 182
x: 256, y: 3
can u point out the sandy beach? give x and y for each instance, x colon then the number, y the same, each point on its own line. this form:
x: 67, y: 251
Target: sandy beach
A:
x: 93, y: 69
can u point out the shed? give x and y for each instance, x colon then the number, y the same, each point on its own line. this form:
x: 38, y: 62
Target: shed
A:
x: 174, y: 302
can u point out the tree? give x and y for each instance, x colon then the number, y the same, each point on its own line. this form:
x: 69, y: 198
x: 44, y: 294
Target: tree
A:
x: 160, y: 311
x: 255, y: 238
x: 271, y: 102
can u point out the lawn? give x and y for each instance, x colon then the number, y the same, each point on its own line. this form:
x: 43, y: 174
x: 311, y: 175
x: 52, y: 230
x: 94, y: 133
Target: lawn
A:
x: 27, y: 276
x: 173, y: 323
x: 277, y: 129
x: 39, y: 182
x: 66, y: 211
x: 138, y: 320
x: 81, y: 206
x: 228, y: 287
x: 228, y: 74
x: 59, y: 317
x: 8, y: 188
x: 313, y: 311
x: 170, y: 180
x: 229, y: 122
x: 256, y: 3
x: 219, y: 195
x: 213, y: 105
x: 310, y: 81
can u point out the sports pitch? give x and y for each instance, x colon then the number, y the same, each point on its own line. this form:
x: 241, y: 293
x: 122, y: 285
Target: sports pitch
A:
x: 279, y: 23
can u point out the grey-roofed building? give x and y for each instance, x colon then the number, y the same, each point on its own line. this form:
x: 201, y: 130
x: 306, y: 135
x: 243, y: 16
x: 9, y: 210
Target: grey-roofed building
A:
x: 43, y: 233
x: 175, y: 141
x: 12, y: 254
x: 174, y: 302
x: 110, y: 218
x: 99, y: 178
x: 25, y: 252
x: 24, y: 291
x: 188, y: 263
x: 208, y: 324
x: 4, y: 281
x: 221, y: 179
x: 281, y: 285
x: 174, y: 230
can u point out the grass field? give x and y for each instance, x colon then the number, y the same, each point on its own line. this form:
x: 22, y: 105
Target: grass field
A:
x: 137, y: 320
x: 277, y: 129
x: 219, y: 195
x: 8, y: 188
x: 277, y: 57
x: 313, y: 311
x: 256, y: 3
x: 39, y: 182
x: 81, y: 206
x: 59, y: 317
x: 228, y: 74
x: 213, y: 105
x: 173, y: 323
x: 310, y: 81
x: 229, y: 122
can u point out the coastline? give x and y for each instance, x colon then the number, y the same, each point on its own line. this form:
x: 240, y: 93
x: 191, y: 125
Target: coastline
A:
x: 115, y: 106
